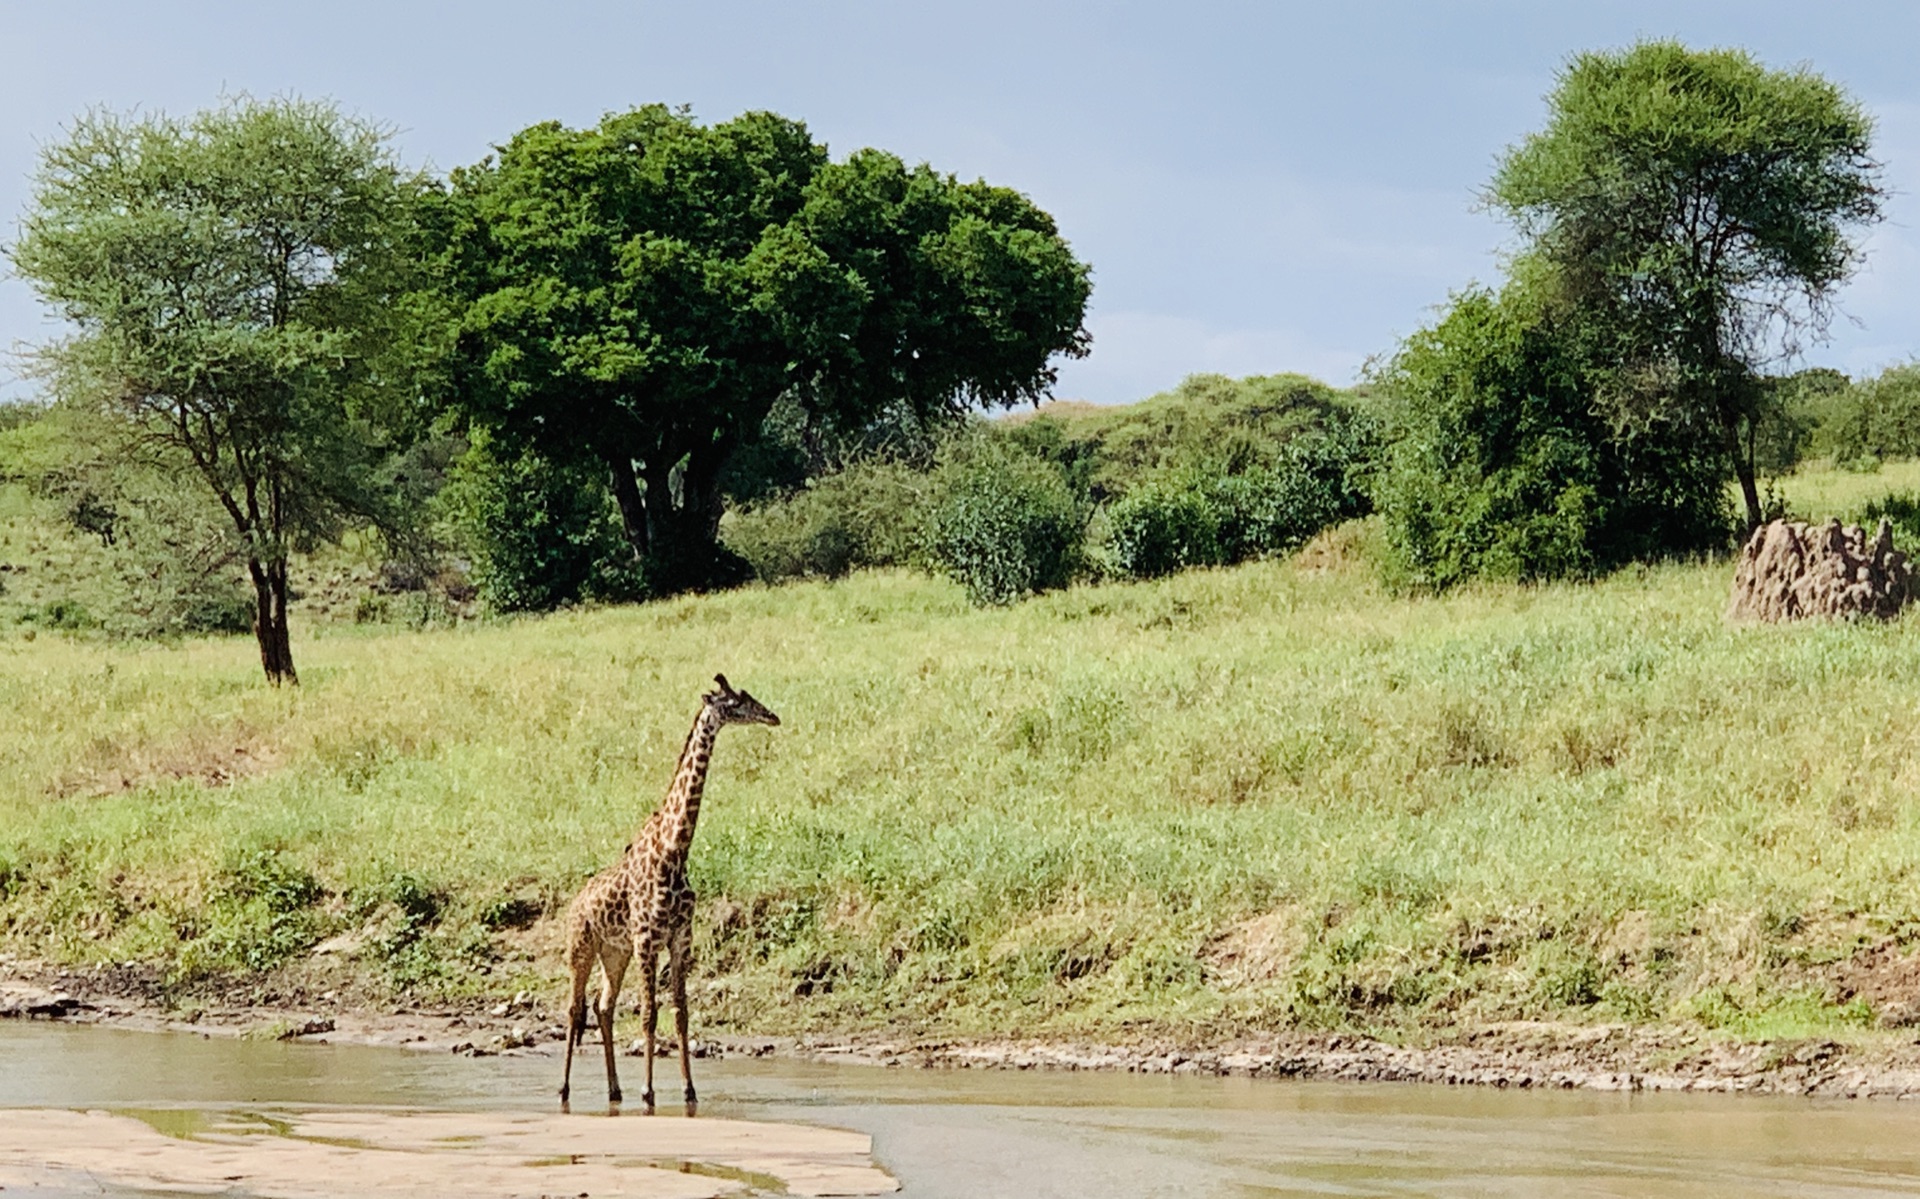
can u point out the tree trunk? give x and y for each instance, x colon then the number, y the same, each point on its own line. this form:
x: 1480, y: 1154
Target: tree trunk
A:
x: 1743, y: 468
x: 677, y: 536
x: 661, y: 538
x: 270, y: 620
x: 633, y: 510
x: 700, y: 489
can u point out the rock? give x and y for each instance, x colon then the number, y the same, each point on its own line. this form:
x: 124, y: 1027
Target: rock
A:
x: 1790, y: 571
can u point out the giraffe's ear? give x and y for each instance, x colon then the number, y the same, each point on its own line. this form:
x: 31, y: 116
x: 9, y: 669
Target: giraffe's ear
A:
x: 722, y: 680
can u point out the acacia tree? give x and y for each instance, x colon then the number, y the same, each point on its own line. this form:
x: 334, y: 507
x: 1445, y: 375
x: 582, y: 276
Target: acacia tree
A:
x: 642, y: 293
x: 1699, y: 211
x: 235, y: 281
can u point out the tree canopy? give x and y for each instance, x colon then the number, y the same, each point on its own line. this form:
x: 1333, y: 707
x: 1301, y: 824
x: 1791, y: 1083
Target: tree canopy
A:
x: 1700, y: 210
x: 640, y: 295
x: 238, y: 286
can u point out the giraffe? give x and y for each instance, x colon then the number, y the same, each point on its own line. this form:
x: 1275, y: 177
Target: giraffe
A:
x: 642, y: 904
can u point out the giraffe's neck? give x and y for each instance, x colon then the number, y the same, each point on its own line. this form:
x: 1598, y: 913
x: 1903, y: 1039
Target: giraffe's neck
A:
x: 680, y: 811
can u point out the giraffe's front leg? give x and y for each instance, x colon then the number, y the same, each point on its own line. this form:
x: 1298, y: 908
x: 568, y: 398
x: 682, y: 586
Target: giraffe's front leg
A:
x: 679, y: 957
x: 649, y: 1011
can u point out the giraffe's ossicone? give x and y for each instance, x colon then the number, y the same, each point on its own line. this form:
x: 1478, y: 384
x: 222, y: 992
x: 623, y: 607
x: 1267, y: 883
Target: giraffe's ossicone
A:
x: 642, y: 904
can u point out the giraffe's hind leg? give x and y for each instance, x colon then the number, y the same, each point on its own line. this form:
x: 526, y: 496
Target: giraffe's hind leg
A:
x: 580, y: 967
x: 649, y: 1009
x: 679, y: 957
x: 613, y: 968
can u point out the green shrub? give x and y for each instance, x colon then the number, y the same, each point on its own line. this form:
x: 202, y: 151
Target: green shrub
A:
x: 1792, y: 415
x: 1005, y: 524
x: 217, y: 606
x: 407, y: 946
x: 1200, y: 519
x: 261, y: 912
x: 1157, y: 529
x: 1317, y: 483
x: 1208, y: 423
x: 873, y: 513
x: 67, y: 615
x: 1873, y: 420
x: 1501, y: 468
x: 1902, y: 511
x: 540, y: 533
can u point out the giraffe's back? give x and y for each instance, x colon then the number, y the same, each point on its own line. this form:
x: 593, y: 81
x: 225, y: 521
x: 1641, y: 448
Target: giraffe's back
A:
x: 598, y: 914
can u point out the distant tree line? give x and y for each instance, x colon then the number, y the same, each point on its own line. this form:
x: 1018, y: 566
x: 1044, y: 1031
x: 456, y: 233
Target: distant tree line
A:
x: 1685, y: 221
x: 656, y: 355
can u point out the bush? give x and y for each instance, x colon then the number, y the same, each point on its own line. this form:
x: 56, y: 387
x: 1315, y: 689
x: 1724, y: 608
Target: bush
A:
x: 1902, y: 511
x: 540, y: 533
x: 1005, y: 524
x: 217, y: 606
x: 1196, y: 519
x: 1158, y: 529
x: 1791, y: 415
x: 1873, y: 420
x: 261, y: 912
x: 67, y: 615
x: 873, y: 513
x: 1501, y: 468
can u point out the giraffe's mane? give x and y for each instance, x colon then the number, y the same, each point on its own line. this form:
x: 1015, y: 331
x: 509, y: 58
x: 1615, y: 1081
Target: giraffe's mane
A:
x: 657, y: 818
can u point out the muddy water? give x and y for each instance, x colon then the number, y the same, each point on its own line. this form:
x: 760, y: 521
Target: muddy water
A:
x: 993, y: 1133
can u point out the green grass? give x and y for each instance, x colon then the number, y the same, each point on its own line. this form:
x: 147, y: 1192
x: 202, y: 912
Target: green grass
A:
x: 1251, y: 797
x: 46, y: 561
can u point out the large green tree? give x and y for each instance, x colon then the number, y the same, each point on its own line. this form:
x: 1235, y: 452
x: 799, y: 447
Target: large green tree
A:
x: 1700, y: 210
x: 238, y: 284
x: 642, y: 293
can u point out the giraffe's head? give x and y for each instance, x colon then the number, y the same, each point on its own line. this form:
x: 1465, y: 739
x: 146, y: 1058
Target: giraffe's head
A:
x: 737, y: 707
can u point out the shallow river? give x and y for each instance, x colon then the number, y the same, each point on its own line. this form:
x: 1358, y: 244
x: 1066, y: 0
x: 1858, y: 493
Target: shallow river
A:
x: 1017, y: 1134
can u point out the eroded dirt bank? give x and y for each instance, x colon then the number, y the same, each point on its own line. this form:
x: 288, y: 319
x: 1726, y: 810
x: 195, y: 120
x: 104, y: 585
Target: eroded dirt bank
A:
x: 1518, y: 1055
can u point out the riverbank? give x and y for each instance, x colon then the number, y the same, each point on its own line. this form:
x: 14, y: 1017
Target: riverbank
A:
x: 1192, y: 813
x: 1521, y: 1055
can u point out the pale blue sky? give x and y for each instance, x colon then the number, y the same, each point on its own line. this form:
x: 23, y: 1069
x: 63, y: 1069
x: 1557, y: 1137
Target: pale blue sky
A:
x: 1259, y: 187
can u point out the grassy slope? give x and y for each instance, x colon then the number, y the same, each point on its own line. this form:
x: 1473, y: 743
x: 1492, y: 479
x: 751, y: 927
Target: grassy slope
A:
x: 1261, y: 795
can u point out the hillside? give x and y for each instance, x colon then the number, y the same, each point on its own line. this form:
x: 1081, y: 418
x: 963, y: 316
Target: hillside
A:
x: 1267, y: 796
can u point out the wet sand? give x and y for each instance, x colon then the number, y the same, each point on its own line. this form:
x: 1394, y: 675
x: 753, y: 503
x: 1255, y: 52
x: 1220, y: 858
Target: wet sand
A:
x: 292, y: 1154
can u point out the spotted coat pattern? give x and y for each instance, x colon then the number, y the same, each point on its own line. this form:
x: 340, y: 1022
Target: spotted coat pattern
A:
x: 642, y: 905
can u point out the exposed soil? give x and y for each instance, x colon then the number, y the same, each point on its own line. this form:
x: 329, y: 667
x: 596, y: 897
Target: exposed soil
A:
x: 1515, y: 1054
